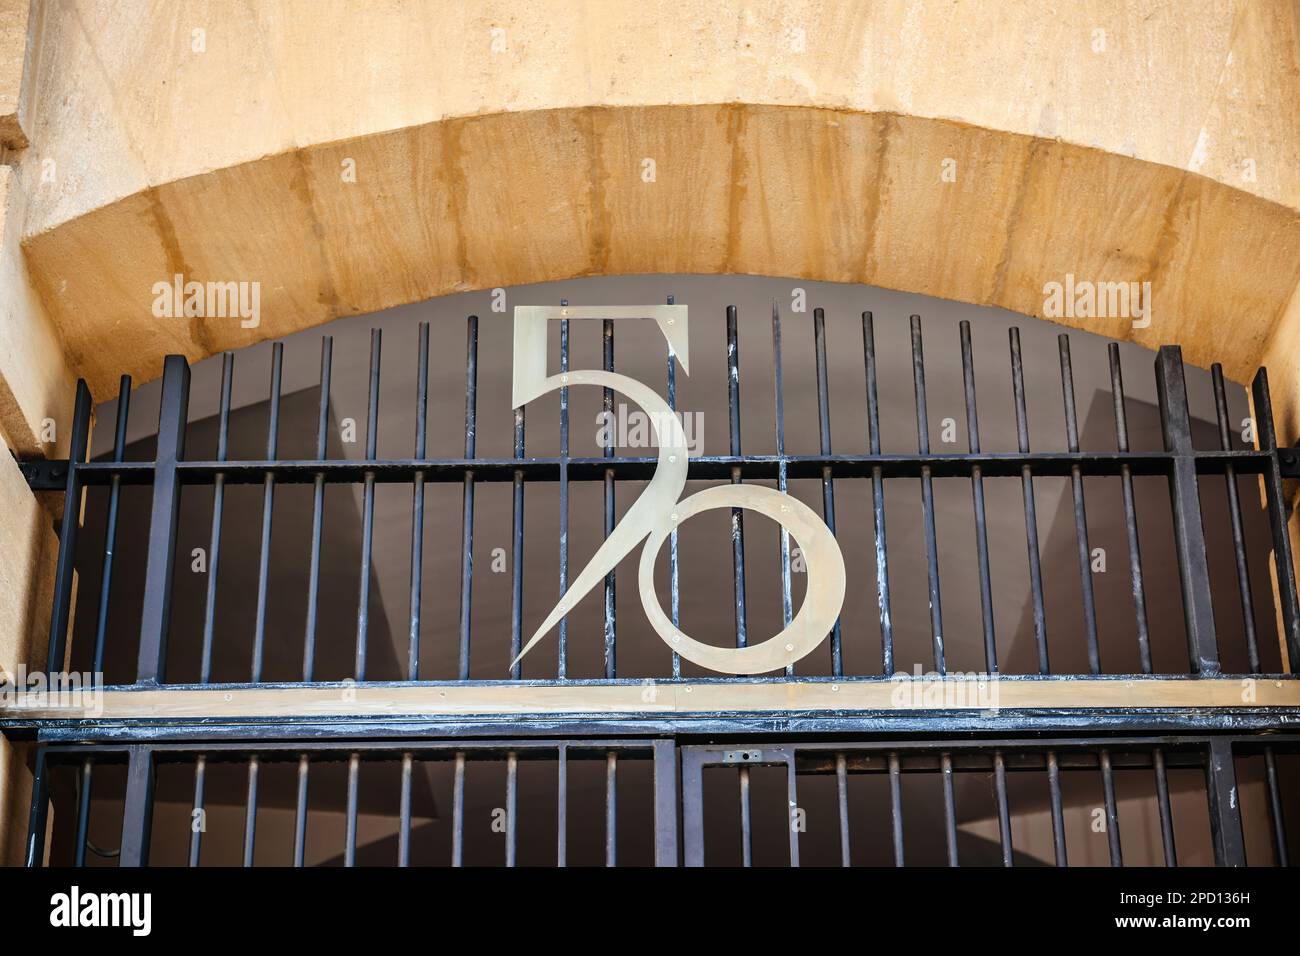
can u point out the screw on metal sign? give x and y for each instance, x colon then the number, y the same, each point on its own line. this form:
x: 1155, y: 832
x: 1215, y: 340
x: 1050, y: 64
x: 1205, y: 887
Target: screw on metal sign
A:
x: 661, y: 508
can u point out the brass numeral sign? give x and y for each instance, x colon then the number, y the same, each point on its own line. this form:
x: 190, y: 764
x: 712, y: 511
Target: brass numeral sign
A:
x: 661, y: 508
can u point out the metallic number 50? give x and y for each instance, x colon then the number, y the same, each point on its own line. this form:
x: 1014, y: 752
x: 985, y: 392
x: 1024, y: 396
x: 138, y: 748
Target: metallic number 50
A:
x: 658, y: 511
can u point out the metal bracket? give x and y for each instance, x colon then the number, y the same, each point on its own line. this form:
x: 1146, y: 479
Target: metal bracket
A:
x: 742, y: 756
x: 1288, y: 460
x: 45, y: 474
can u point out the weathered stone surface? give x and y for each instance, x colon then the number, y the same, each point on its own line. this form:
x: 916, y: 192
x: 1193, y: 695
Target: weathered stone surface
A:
x: 15, y: 800
x: 497, y: 144
x: 524, y: 197
x: 29, y: 548
x: 28, y: 551
x: 36, y: 382
x: 1136, y: 78
x: 13, y: 47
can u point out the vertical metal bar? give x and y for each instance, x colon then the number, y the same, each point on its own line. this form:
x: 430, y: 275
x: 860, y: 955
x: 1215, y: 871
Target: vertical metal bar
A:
x: 927, y: 496
x: 949, y: 809
x: 156, y: 613
x: 878, y: 497
x: 1162, y: 804
x: 842, y: 791
x: 250, y: 810
x: 977, y: 493
x: 1112, y: 809
x: 1189, y: 535
x: 674, y: 584
x: 83, y: 810
x: 1080, y: 512
x: 794, y: 814
x: 512, y: 806
x: 458, y: 812
x: 562, y: 643
x: 611, y: 809
x: 562, y: 807
x: 828, y: 480
x: 137, y: 816
x: 746, y: 822
x: 198, y: 813
x: 268, y: 498
x: 1234, y: 515
x: 737, y: 514
x: 467, y: 517
x: 300, y: 813
x: 1275, y: 808
x: 1225, y: 807
x: 350, y: 847
x: 1058, y: 814
x: 1031, y: 509
x: 1004, y: 810
x: 318, y: 509
x: 65, y: 566
x: 692, y: 807
x: 368, y: 504
x: 1130, y: 509
x: 38, y: 814
x: 1278, y: 514
x: 517, y: 554
x: 607, y: 351
x: 417, y: 504
x: 218, y: 508
x: 787, y: 604
x: 665, y: 812
x: 404, y: 813
x: 896, y: 808
x: 110, y: 527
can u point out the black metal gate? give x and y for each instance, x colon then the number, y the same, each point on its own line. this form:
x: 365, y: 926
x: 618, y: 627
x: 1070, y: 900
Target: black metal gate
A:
x: 859, y: 742
x: 715, y: 815
x: 942, y: 761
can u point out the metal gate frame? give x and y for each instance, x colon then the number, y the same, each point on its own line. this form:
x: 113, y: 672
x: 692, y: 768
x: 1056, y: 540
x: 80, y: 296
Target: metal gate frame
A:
x: 678, y: 788
x: 142, y: 760
x: 1215, y: 754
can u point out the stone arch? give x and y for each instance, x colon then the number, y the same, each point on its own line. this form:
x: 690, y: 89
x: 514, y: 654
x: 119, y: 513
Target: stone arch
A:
x: 525, y: 197
x: 495, y: 146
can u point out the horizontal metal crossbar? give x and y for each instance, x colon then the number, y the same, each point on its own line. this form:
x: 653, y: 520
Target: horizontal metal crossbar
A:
x: 719, y: 467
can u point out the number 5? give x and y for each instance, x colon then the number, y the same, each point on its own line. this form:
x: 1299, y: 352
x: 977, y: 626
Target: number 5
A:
x: 658, y: 511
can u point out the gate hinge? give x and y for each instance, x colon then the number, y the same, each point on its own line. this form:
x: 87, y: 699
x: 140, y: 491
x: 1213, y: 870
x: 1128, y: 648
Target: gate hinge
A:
x: 1288, y: 460
x: 45, y: 474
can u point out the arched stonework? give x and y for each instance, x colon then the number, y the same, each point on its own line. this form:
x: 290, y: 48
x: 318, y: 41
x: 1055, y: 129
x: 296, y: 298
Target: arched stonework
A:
x: 494, y: 145
x: 523, y: 197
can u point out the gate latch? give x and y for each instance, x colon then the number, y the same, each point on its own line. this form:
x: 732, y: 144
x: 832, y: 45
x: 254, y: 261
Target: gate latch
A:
x: 742, y: 756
